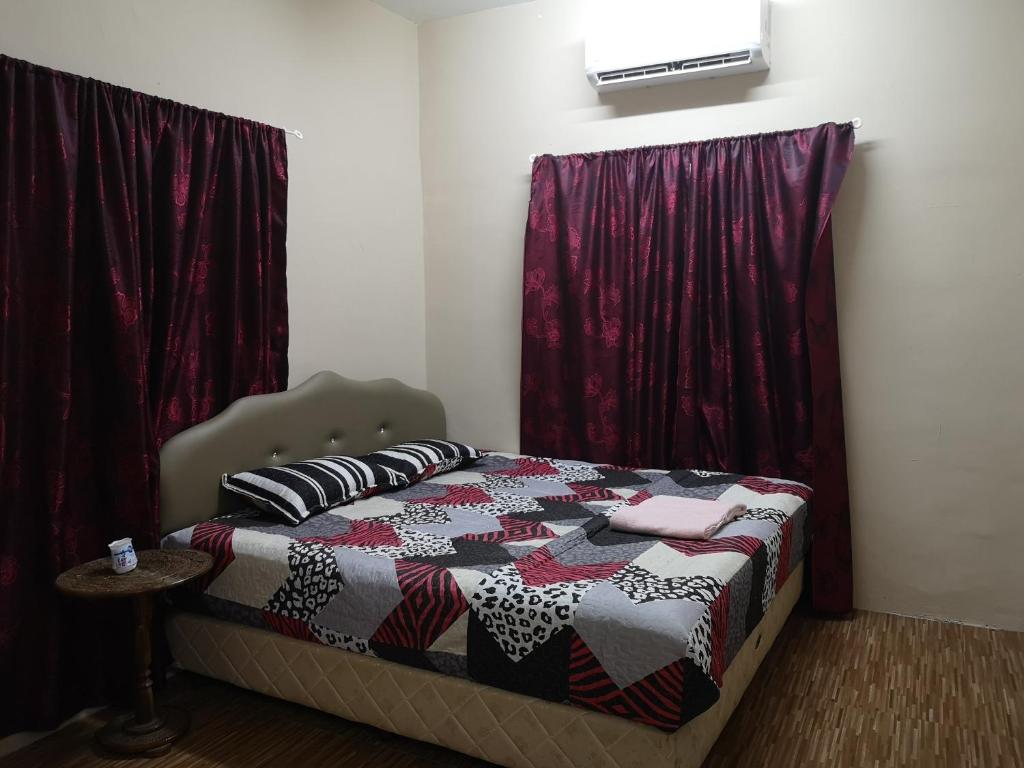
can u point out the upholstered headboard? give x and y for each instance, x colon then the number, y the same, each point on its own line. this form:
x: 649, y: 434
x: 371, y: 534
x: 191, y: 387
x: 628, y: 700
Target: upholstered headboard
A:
x: 327, y: 414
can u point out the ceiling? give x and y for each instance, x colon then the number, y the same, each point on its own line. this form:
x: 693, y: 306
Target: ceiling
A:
x: 428, y: 10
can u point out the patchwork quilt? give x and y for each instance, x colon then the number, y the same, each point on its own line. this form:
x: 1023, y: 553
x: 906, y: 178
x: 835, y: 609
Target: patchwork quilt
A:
x: 507, y: 573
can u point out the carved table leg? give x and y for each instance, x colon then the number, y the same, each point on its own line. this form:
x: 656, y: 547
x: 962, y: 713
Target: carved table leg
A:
x: 149, y: 729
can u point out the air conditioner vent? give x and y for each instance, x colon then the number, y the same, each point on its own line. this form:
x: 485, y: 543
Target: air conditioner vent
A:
x: 717, y: 61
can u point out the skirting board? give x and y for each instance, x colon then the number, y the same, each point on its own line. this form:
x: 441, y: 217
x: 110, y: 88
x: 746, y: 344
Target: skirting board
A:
x: 490, y: 723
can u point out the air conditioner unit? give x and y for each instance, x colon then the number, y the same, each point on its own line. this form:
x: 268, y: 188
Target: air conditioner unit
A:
x: 639, y: 43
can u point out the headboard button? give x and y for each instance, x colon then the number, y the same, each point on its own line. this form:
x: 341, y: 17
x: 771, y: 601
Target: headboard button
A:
x: 383, y: 428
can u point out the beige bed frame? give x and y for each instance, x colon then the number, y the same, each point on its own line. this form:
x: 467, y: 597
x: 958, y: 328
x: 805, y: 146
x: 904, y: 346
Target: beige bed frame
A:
x: 331, y: 414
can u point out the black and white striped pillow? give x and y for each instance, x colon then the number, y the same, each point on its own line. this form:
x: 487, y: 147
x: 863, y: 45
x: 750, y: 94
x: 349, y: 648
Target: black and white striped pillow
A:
x: 295, y: 491
x: 420, y: 459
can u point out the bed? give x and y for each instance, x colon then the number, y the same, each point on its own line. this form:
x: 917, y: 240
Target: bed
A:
x: 491, y: 609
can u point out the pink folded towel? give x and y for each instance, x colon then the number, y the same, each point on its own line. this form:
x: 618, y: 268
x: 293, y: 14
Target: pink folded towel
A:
x: 676, y: 517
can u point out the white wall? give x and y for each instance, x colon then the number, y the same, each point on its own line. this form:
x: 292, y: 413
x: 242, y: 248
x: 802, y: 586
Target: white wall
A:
x: 345, y: 73
x: 928, y: 234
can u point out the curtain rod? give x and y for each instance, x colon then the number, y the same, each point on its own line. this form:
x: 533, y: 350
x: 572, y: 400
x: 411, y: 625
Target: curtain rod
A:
x: 856, y: 123
x: 296, y: 133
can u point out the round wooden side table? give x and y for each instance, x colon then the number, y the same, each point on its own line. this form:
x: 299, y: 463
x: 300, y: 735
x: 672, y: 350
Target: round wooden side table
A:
x: 149, y: 730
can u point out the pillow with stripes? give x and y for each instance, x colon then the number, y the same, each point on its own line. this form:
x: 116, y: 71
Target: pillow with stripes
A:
x: 419, y: 459
x: 294, y: 492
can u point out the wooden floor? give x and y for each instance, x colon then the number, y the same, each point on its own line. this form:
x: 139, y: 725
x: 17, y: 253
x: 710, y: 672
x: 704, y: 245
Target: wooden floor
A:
x: 878, y: 690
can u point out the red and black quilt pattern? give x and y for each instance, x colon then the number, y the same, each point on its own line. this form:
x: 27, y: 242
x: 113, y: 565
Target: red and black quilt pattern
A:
x: 507, y: 573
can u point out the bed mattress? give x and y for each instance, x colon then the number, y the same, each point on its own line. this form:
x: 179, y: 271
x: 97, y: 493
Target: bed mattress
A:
x: 508, y: 574
x: 499, y: 726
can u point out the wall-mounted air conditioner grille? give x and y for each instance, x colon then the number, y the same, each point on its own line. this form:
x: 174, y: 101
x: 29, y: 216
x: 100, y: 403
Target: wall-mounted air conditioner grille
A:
x: 717, y: 61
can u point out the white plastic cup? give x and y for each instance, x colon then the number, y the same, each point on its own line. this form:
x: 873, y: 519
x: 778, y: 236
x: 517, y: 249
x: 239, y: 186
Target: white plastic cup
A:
x: 122, y: 556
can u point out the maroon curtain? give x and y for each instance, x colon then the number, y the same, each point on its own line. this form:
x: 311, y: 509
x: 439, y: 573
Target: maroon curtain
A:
x: 679, y: 311
x: 142, y: 289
